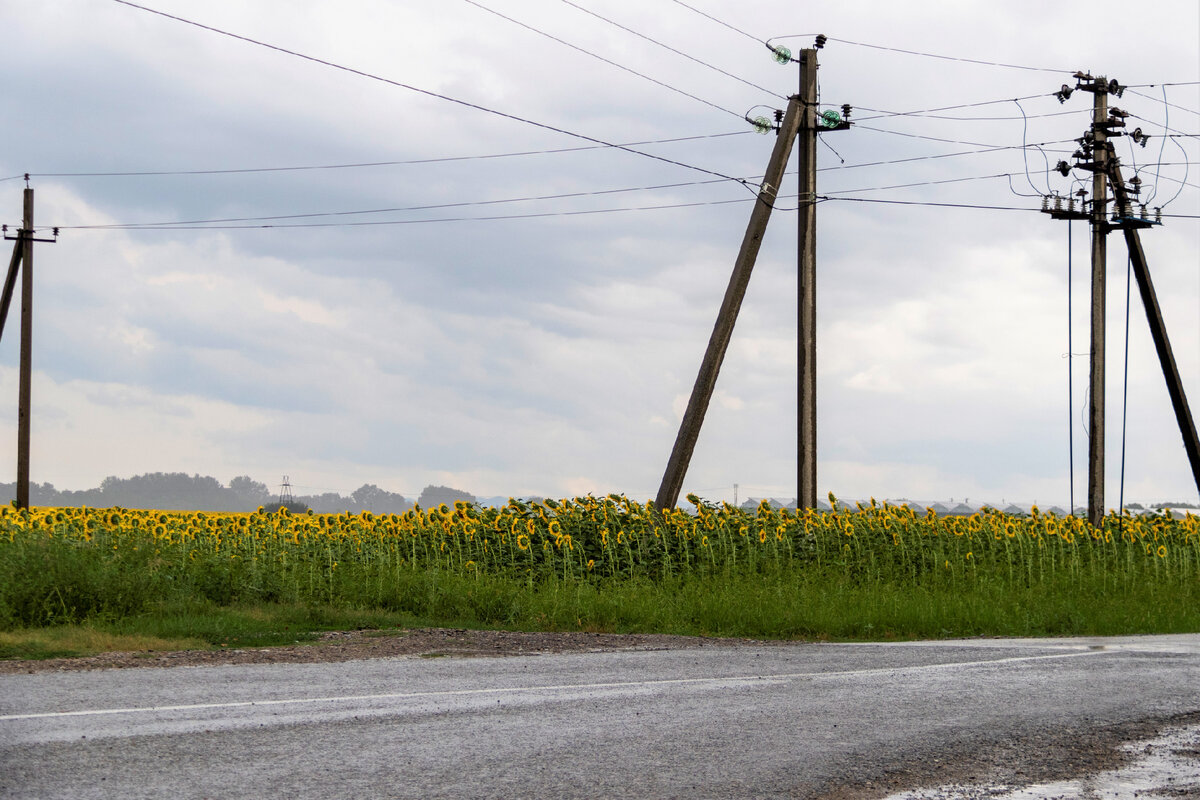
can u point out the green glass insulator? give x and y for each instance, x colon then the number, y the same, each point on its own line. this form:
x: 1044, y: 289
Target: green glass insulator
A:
x: 782, y: 54
x: 761, y: 124
x: 831, y: 119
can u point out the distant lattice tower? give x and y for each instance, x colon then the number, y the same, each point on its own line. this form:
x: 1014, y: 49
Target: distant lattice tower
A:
x: 285, y: 492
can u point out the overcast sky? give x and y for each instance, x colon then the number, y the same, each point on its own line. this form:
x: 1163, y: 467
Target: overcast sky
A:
x: 525, y: 347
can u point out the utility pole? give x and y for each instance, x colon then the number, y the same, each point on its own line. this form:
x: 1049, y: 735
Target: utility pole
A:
x: 23, y: 256
x: 26, y: 380
x: 1093, y: 154
x: 1099, y: 89
x: 1096, y: 154
x: 718, y: 343
x: 806, y: 345
x: 1130, y: 223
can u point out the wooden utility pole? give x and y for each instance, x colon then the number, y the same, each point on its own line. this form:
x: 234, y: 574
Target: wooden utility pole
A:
x: 718, y: 343
x: 1099, y: 88
x: 1158, y: 329
x: 806, y: 406
x: 26, y: 379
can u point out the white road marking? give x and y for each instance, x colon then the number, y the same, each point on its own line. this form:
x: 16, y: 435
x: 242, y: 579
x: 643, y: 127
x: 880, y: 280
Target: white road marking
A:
x: 733, y: 679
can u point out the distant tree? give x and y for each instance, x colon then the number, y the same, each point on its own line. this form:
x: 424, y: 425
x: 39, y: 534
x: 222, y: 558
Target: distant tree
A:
x: 370, y: 497
x: 171, y: 491
x: 436, y: 495
x: 250, y: 493
x: 327, y: 503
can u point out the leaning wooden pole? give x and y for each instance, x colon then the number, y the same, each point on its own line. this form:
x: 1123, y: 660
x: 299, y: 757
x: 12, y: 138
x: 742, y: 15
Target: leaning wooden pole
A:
x: 718, y: 343
x: 10, y: 282
x: 1158, y: 327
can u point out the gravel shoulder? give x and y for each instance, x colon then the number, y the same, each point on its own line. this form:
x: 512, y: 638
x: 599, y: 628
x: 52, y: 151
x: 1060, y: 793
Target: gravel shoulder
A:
x: 356, y: 645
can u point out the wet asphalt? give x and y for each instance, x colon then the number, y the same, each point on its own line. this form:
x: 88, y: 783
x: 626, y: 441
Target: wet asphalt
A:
x: 800, y: 720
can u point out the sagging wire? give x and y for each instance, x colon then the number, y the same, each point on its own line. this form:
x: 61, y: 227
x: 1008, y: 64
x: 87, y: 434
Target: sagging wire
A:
x: 1161, y: 147
x: 1025, y: 151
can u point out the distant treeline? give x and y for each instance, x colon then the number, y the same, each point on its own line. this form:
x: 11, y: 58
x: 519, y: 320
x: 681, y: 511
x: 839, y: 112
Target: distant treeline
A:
x: 178, y: 491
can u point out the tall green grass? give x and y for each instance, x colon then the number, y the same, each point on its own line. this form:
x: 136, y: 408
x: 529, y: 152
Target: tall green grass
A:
x: 605, y: 565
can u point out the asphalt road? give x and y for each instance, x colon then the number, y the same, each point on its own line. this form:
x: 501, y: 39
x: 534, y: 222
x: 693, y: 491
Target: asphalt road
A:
x: 802, y: 720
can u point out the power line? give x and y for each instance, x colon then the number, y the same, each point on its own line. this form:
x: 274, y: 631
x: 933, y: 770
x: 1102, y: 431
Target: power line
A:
x: 438, y: 160
x: 751, y: 37
x: 686, y: 55
x: 599, y: 57
x: 981, y: 151
x: 202, y: 224
x: 949, y: 58
x: 926, y: 115
x: 926, y: 203
x: 376, y: 223
x: 933, y: 138
x: 1160, y: 100
x: 923, y: 112
x: 464, y: 204
x: 1165, y: 127
x: 922, y: 183
x: 426, y: 92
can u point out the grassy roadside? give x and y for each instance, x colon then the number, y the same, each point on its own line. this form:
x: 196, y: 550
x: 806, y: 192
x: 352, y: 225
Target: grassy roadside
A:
x: 779, y: 605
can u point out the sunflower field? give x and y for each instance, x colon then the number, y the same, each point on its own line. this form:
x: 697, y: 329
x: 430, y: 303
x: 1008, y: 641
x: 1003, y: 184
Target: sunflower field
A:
x: 67, y: 565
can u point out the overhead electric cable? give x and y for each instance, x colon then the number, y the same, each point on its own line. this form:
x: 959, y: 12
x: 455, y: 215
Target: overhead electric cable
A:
x: 1162, y: 145
x: 210, y: 223
x: 934, y: 113
x: 718, y: 21
x: 1164, y: 126
x: 426, y: 92
x: 920, y: 183
x: 927, y: 203
x: 599, y: 57
x: 925, y: 111
x: 934, y: 138
x: 1025, y: 151
x: 921, y: 115
x: 948, y: 58
x: 437, y: 160
x: 982, y: 151
x: 686, y: 55
x: 464, y: 204
x: 1172, y: 105
x: 376, y: 223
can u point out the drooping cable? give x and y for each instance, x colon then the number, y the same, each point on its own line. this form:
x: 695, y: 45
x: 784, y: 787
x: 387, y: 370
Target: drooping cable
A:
x: 1162, y: 145
x: 1025, y: 151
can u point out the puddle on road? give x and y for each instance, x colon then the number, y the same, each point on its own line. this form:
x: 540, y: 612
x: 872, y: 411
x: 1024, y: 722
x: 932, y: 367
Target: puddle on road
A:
x: 1164, y: 767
